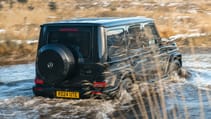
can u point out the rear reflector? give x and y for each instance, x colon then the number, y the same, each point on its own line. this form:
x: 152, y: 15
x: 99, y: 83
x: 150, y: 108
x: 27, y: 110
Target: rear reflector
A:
x: 39, y: 81
x: 99, y: 84
x: 68, y: 30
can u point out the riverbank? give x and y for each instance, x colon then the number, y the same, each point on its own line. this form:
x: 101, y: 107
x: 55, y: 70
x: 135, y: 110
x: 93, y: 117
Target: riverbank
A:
x: 24, y: 59
x: 16, y: 59
x: 21, y: 52
x: 195, y: 50
x: 17, y: 52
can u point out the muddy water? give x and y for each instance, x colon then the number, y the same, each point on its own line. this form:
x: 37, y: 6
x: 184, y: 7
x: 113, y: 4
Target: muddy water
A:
x: 174, y: 98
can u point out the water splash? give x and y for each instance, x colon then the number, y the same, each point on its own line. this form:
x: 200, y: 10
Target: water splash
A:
x: 183, y: 97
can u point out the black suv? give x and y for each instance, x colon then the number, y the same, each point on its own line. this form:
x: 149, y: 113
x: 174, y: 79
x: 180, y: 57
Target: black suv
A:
x: 97, y: 57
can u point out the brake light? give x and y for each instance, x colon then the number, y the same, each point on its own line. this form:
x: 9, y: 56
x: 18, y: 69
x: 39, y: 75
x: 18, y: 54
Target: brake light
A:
x: 39, y: 81
x: 99, y: 84
x: 68, y: 30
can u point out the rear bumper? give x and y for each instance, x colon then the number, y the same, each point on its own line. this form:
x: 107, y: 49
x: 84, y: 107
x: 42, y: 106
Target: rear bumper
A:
x: 44, y: 92
x: 50, y: 92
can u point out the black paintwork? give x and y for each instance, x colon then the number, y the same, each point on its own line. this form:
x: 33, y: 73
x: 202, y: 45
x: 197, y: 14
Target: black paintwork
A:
x: 148, y: 63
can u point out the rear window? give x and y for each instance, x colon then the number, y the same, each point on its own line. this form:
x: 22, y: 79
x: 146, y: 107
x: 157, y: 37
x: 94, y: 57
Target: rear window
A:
x: 72, y: 38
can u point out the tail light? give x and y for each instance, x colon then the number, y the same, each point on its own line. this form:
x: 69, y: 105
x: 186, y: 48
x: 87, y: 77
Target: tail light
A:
x: 38, y: 81
x: 99, y: 84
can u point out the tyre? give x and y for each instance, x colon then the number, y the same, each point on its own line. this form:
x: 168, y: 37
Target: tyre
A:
x: 125, y: 90
x: 174, y: 67
x: 127, y: 84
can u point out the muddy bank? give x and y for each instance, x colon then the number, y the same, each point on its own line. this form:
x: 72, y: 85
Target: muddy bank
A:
x: 195, y: 50
x: 17, y: 51
x: 10, y: 60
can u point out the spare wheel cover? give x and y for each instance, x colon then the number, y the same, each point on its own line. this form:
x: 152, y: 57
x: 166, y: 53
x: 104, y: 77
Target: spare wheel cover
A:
x: 54, y: 62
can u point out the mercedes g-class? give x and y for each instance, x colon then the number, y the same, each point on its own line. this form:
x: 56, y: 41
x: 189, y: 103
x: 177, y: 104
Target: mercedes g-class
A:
x: 97, y: 57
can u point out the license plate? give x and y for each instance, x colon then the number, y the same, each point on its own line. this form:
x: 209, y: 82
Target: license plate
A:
x: 67, y: 94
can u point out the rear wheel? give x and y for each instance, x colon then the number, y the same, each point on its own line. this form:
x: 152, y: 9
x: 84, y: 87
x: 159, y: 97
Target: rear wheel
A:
x: 127, y: 84
x: 125, y: 91
x: 174, y: 68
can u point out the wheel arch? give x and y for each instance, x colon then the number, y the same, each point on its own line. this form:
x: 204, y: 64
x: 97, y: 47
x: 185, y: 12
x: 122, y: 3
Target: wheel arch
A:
x: 128, y: 74
x: 176, y: 56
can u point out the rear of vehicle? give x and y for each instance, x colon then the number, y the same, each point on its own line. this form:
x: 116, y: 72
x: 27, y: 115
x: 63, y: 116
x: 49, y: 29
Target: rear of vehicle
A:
x: 65, y: 65
x: 99, y: 57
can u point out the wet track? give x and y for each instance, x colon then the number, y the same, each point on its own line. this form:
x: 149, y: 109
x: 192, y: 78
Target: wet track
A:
x: 174, y: 98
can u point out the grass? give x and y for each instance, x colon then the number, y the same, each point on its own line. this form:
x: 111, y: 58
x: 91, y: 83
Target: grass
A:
x: 27, y: 21
x: 13, y: 53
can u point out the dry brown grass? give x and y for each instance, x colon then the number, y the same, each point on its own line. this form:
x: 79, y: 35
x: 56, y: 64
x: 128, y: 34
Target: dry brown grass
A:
x: 16, y: 19
x: 12, y: 53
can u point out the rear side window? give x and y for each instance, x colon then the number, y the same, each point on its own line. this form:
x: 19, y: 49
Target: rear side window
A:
x: 72, y: 38
x: 150, y: 33
x: 115, y: 42
x: 136, y: 37
x: 141, y: 35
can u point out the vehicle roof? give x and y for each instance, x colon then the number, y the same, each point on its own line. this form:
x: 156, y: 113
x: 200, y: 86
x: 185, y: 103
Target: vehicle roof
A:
x: 102, y: 21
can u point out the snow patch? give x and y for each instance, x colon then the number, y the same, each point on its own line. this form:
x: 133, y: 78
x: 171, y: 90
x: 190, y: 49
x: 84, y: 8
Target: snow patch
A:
x: 193, y: 35
x: 31, y: 41
x: 52, y: 17
x: 19, y: 42
x: 173, y: 4
x: 193, y: 11
x: 2, y: 31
